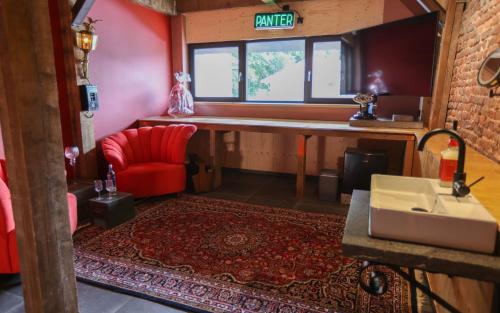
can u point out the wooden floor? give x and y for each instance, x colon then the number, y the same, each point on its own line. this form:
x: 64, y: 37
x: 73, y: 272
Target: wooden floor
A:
x: 264, y: 189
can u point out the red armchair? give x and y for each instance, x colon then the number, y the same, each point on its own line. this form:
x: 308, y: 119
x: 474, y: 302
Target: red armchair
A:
x: 149, y: 161
x: 9, y: 259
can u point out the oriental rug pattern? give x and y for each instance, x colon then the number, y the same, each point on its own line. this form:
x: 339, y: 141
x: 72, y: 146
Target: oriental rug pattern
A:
x: 224, y: 256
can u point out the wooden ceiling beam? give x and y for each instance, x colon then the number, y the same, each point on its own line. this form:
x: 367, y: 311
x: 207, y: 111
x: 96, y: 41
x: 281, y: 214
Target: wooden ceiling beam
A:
x: 431, y: 5
x: 80, y: 11
x: 166, y: 7
x: 185, y: 6
x: 413, y: 6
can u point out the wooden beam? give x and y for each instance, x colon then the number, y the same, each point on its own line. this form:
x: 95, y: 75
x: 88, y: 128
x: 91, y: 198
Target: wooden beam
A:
x: 31, y: 129
x: 179, y: 44
x: 431, y: 5
x: 185, y: 6
x: 163, y: 6
x: 444, y: 69
x: 82, y: 130
x: 413, y: 6
x: 80, y: 11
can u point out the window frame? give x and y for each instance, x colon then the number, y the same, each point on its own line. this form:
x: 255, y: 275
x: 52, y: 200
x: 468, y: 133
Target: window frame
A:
x: 242, y: 47
x: 242, y: 74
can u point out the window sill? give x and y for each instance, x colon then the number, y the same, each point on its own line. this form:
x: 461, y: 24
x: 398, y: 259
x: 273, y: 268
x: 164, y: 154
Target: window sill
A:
x: 296, y: 111
x: 283, y: 105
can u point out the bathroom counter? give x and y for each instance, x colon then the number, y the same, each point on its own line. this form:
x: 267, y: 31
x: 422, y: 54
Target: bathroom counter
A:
x: 356, y: 243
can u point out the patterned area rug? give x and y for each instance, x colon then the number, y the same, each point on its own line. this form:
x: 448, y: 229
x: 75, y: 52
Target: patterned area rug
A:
x: 223, y: 256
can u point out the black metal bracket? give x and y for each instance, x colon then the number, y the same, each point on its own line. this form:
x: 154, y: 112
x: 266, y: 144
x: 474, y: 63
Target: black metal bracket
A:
x: 377, y: 284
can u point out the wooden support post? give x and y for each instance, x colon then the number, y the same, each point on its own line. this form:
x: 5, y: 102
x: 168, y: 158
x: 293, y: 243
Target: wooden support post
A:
x: 408, y: 157
x: 301, y: 164
x: 444, y: 70
x: 215, y: 157
x: 81, y: 126
x: 31, y: 129
x: 179, y: 44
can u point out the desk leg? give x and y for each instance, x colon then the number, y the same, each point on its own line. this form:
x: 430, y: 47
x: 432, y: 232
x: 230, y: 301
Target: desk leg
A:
x: 495, y: 304
x: 301, y: 164
x: 215, y: 158
x: 408, y: 157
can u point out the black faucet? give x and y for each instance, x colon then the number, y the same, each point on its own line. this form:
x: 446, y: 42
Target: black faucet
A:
x: 460, y: 189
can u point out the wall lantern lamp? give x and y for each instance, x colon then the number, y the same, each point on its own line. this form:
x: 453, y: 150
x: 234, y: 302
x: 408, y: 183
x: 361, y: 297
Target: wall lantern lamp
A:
x: 86, y: 40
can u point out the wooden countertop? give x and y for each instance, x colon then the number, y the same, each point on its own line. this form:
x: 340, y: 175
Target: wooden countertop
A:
x: 305, y: 127
x: 356, y: 243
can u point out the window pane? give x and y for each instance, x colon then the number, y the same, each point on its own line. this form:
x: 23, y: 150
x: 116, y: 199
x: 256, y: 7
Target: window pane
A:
x: 275, y: 70
x: 216, y: 72
x: 326, y: 69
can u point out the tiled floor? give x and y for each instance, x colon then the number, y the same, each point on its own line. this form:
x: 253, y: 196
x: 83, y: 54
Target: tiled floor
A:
x: 272, y: 190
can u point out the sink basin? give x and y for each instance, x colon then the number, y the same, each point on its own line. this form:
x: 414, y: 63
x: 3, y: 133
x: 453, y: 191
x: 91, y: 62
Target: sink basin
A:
x: 419, y: 210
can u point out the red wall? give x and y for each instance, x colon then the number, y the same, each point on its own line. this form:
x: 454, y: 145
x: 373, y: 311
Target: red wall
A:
x: 131, y: 65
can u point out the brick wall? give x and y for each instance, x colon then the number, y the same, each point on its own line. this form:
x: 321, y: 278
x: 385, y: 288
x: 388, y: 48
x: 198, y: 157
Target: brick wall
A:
x: 478, y: 115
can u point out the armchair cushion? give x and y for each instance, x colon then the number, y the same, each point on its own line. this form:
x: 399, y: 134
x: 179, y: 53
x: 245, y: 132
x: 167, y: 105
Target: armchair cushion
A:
x: 9, y: 258
x: 157, y: 178
x: 149, y: 161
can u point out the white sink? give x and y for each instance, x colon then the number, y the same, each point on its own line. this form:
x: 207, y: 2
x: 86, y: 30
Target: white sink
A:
x: 419, y: 210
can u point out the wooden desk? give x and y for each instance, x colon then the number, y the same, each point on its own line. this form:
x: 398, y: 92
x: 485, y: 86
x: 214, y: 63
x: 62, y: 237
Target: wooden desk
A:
x: 302, y: 128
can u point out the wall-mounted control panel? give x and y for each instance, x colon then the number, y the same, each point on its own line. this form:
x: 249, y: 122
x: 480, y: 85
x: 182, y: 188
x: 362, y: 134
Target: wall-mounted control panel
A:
x: 89, y: 98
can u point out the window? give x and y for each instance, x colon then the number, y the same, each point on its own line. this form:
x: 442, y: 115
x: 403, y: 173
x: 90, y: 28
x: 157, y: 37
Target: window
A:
x: 326, y: 68
x: 275, y: 70
x: 216, y: 72
x: 310, y: 70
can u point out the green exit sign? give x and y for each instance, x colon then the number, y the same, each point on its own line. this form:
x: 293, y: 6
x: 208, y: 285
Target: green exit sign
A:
x: 278, y: 20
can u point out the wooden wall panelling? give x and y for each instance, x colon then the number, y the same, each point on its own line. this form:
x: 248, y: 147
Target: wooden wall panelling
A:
x: 444, y: 69
x: 33, y: 144
x: 322, y: 17
x: 184, y: 6
x: 278, y: 152
x: 469, y: 296
x: 325, y: 112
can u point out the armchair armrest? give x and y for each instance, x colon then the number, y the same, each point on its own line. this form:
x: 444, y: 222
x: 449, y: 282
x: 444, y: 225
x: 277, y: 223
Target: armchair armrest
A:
x: 177, y: 143
x: 114, y: 154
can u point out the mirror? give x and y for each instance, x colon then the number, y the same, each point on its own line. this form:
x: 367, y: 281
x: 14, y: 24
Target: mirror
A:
x: 489, y: 72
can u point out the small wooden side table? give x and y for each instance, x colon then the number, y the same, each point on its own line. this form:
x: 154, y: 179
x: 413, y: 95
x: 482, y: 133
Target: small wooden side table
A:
x: 111, y: 212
